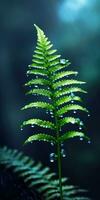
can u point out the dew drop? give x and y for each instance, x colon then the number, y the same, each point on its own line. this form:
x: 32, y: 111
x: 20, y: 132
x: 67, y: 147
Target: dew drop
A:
x: 63, y: 153
x: 76, y: 73
x: 72, y: 94
x: 74, y: 112
x: 72, y: 101
x: 62, y: 144
x: 81, y: 123
x: 88, y: 115
x: 52, y: 157
x: 81, y: 138
x: 32, y: 126
x: 80, y: 128
x: 21, y: 129
x: 89, y: 142
x: 36, y: 86
x: 52, y: 144
x: 47, y: 112
x: 63, y: 61
x: 36, y: 76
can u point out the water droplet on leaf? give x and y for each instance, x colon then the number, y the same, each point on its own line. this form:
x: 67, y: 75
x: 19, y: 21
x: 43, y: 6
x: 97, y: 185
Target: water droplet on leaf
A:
x: 81, y: 138
x: 63, y: 153
x: 74, y: 112
x: 63, y: 61
x: 52, y: 157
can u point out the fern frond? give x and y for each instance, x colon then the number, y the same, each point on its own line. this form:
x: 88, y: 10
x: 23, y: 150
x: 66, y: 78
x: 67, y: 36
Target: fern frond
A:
x: 35, y: 174
x: 51, y: 82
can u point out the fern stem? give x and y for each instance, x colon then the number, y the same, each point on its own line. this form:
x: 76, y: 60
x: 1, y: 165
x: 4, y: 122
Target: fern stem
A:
x: 59, y: 170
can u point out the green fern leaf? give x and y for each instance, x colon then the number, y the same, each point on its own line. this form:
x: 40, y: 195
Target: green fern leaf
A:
x: 38, y: 81
x: 70, y: 107
x: 39, y: 122
x: 38, y: 104
x: 63, y: 74
x: 71, y: 120
x: 66, y: 82
x: 72, y: 134
x: 66, y: 99
x: 68, y: 91
x: 42, y: 92
x: 41, y: 137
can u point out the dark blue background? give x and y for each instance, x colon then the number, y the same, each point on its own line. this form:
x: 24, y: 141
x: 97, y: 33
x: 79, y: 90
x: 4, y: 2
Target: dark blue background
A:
x: 74, y: 28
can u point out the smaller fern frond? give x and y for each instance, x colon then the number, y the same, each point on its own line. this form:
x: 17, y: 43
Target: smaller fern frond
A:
x: 38, y: 176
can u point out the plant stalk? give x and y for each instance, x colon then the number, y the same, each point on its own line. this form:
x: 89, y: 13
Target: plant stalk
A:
x: 59, y: 170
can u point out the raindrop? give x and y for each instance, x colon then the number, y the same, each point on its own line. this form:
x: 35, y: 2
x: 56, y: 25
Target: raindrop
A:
x: 52, y: 157
x: 88, y: 115
x: 52, y: 144
x: 32, y: 126
x: 63, y: 153
x: 62, y: 144
x: 60, y: 88
x: 80, y: 128
x: 72, y: 101
x: 61, y: 116
x: 81, y: 123
x: 51, y: 112
x: 36, y: 76
x: 76, y: 73
x: 21, y: 129
x: 52, y: 116
x: 49, y: 98
x: 89, y: 142
x: 81, y: 138
x: 72, y: 94
x: 36, y: 86
x: 47, y: 112
x: 63, y: 61
x: 74, y: 112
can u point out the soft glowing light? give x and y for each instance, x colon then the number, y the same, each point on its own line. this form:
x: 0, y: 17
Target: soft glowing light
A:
x: 69, y: 9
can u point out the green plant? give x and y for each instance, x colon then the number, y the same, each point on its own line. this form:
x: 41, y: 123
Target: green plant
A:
x: 51, y: 79
x: 38, y: 176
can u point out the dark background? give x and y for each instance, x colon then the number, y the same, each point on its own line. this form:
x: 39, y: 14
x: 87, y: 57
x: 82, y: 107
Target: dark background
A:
x: 74, y: 28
